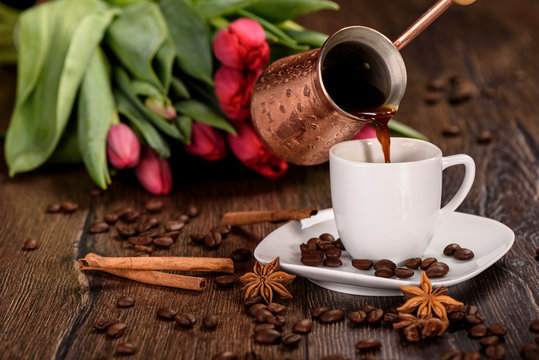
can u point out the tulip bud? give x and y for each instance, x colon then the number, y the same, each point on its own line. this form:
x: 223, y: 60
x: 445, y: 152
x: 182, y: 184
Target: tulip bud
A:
x: 242, y: 45
x: 250, y: 150
x: 233, y: 89
x: 206, y: 142
x: 366, y: 132
x: 161, y: 108
x: 153, y: 172
x: 123, y: 147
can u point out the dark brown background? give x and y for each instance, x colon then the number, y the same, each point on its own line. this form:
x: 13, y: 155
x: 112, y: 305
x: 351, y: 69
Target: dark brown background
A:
x: 47, y: 307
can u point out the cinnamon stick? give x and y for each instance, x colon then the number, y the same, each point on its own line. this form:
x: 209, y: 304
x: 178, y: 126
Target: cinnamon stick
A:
x: 158, y: 278
x: 255, y: 217
x: 92, y: 260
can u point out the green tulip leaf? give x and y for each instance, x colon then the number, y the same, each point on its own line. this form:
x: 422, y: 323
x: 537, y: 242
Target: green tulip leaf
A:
x: 277, y: 11
x: 212, y: 8
x: 178, y: 88
x: 191, y: 38
x: 67, y: 151
x: 201, y: 112
x: 185, y: 125
x: 57, y: 40
x: 399, y: 128
x: 311, y: 38
x: 96, y: 113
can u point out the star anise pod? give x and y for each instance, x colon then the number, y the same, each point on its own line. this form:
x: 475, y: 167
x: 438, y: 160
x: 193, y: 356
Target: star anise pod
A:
x: 427, y: 300
x: 417, y: 328
x: 264, y: 280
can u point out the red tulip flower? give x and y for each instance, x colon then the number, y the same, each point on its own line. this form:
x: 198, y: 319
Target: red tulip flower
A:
x: 153, y: 173
x: 233, y: 89
x: 242, y: 45
x: 206, y: 142
x: 250, y: 150
x: 123, y: 147
x: 366, y: 132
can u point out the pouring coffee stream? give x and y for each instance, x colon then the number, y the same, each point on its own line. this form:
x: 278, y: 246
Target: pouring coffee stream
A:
x: 303, y: 104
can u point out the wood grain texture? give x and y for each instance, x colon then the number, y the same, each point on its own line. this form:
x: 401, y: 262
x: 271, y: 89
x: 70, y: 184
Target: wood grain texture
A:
x: 48, y: 308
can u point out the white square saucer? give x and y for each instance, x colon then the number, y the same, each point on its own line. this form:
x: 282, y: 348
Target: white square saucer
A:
x: 487, y: 238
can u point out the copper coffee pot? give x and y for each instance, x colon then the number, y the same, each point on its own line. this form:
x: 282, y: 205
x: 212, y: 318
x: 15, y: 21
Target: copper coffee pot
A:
x: 290, y: 105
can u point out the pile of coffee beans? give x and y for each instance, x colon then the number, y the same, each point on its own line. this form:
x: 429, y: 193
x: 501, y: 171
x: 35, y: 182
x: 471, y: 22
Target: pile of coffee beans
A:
x: 323, y: 249
x: 458, y: 252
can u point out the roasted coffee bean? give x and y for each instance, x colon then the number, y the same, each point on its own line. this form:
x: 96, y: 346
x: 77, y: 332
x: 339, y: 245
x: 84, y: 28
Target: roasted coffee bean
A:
x: 334, y: 252
x: 111, y: 218
x: 332, y: 262
x: 303, y: 326
x: 54, y: 208
x: 384, y: 263
x: 276, y: 309
x: 497, y: 329
x: 462, y: 91
x: 197, y: 238
x: 184, y: 218
x: 151, y: 233
x: 384, y: 272
x: 254, y: 300
x: 439, y: 83
x: 263, y: 315
x: 279, y: 321
x: 362, y: 264
x: 130, y: 216
x: 192, y: 211
x: 291, y: 340
x: 116, y: 330
x: 125, y: 302
x: 450, y: 130
x: 125, y: 231
x: 375, y: 316
x: 450, y: 249
x: 463, y: 254
x: 313, y: 241
x: 368, y: 345
x: 534, y: 326
x: 30, y: 244
x: 312, y: 258
x: 223, y: 230
x: 403, y: 273
x: 126, y: 349
x: 484, y: 137
x: 154, y: 206
x: 304, y: 247
x: 489, y: 341
x: 332, y: 315
x: 319, y: 311
x: 456, y: 317
x: 185, y: 320
x: 529, y: 351
x: 368, y: 308
x: 474, y: 319
x: 326, y: 245
x: 173, y: 225
x: 210, y: 321
x: 433, y: 97
x: 69, y: 206
x: 496, y: 352
x: 473, y: 355
x: 357, y: 317
x: 391, y: 318
x: 327, y: 237
x: 225, y: 281
x: 163, y: 242
x: 427, y: 262
x: 240, y: 255
x: 472, y: 310
x: 412, y: 263
x: 338, y: 243
x: 452, y: 354
x: 98, y: 227
x: 478, y: 331
x: 253, y: 309
x: 225, y: 355
x: 147, y: 225
x: 104, y: 324
x: 264, y: 326
x: 437, y: 270
x: 213, y: 239
x: 140, y: 240
x: 268, y: 337
x: 143, y: 248
x: 166, y: 313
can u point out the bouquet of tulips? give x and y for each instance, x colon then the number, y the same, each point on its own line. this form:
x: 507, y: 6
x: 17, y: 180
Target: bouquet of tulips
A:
x: 114, y: 82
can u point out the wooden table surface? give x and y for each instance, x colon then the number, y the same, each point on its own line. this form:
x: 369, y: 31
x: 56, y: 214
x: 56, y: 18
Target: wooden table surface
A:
x: 48, y: 307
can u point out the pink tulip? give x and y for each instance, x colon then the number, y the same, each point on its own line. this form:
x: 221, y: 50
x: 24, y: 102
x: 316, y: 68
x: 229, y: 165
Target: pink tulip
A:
x: 206, y: 142
x: 161, y: 108
x: 153, y: 173
x: 250, y: 150
x: 123, y: 147
x: 366, y: 132
x: 233, y: 89
x: 242, y: 45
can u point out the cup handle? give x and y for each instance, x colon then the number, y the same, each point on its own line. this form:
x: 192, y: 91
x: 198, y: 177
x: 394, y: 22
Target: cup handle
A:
x: 467, y: 182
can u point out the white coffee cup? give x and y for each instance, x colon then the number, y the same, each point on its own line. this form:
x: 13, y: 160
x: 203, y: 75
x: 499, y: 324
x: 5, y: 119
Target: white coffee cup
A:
x: 390, y: 211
